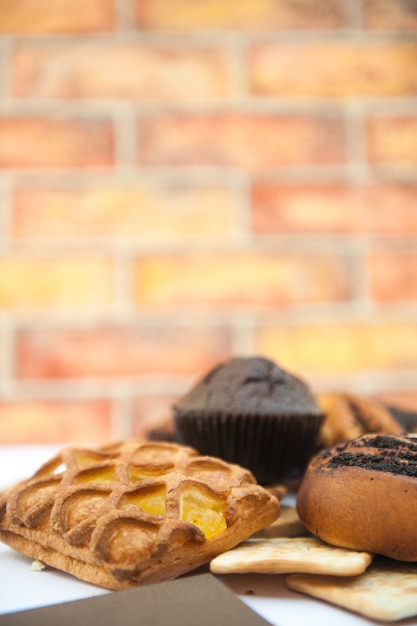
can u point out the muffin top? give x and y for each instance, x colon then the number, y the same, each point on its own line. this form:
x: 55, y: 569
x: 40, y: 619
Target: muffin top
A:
x: 251, y: 385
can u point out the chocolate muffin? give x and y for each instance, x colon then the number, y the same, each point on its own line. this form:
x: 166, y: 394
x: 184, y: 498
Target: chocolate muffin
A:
x: 252, y: 412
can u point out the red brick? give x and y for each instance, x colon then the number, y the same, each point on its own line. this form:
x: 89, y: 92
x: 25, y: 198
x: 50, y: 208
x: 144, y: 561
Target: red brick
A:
x: 50, y: 421
x: 168, y: 212
x: 46, y: 142
x: 392, y: 140
x: 239, y: 280
x: 119, y: 352
x: 21, y: 16
x: 51, y: 283
x: 152, y: 412
x: 389, y: 15
x: 381, y: 209
x: 334, y: 348
x: 245, y: 141
x: 393, y: 276
x: 241, y: 15
x: 98, y: 70
x: 334, y: 68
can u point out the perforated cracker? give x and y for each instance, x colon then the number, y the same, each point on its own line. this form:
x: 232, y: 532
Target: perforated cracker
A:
x: 283, y: 555
x: 385, y: 592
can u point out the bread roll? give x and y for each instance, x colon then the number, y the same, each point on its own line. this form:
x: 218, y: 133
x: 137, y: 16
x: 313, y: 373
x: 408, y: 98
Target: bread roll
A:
x: 363, y: 495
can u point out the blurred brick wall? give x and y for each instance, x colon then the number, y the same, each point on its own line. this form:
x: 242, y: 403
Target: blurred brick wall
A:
x: 186, y: 180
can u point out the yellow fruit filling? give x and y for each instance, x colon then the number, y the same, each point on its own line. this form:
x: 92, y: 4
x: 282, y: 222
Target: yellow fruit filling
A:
x: 85, y: 458
x: 104, y: 475
x: 204, y: 510
x: 137, y: 473
x: 151, y: 501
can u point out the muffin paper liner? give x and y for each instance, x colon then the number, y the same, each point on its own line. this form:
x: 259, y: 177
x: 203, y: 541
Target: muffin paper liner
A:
x: 273, y: 448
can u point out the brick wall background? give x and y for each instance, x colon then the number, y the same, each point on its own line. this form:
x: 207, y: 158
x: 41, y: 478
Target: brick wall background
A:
x: 186, y: 180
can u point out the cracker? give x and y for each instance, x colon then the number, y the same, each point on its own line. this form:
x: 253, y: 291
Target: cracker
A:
x: 288, y: 524
x: 289, y: 555
x: 387, y: 591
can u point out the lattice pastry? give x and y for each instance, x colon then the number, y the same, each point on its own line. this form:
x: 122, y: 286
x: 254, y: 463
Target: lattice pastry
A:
x: 348, y: 416
x: 133, y: 513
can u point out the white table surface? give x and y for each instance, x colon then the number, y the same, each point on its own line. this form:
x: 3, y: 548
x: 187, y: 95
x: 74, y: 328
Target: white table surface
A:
x: 21, y: 588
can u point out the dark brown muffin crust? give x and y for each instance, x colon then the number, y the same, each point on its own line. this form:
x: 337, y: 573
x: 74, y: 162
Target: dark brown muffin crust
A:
x: 253, y: 385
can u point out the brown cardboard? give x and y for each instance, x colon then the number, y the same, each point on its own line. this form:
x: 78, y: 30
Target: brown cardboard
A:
x: 190, y: 601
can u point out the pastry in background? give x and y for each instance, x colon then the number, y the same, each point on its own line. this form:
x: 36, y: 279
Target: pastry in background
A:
x: 252, y: 412
x: 348, y: 416
x: 133, y: 513
x: 162, y: 432
x: 405, y: 412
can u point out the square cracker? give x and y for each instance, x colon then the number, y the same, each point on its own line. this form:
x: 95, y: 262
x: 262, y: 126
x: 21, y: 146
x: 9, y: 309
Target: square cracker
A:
x: 288, y: 524
x: 288, y: 555
x: 387, y: 591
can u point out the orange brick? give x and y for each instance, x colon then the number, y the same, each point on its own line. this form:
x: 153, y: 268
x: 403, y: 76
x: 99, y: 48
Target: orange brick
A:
x: 96, y: 70
x: 45, y: 284
x: 46, y: 142
x: 340, y: 347
x: 336, y: 208
x: 236, y: 280
x: 246, y: 15
x: 393, y: 276
x: 392, y: 140
x: 117, y: 352
x: 163, y: 213
x: 49, y: 421
x: 389, y: 15
x: 152, y: 412
x: 245, y: 141
x: 67, y: 16
x: 334, y: 68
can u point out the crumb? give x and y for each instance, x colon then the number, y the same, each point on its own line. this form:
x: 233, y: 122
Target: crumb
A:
x: 249, y: 592
x: 37, y: 566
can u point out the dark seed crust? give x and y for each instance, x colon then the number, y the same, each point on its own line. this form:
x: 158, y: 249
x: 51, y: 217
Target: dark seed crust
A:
x: 382, y: 453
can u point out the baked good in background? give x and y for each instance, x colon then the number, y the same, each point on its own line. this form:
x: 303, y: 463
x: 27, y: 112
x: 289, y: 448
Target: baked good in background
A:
x: 162, y: 432
x: 405, y: 415
x: 252, y: 412
x: 362, y: 495
x: 132, y: 513
x: 348, y: 416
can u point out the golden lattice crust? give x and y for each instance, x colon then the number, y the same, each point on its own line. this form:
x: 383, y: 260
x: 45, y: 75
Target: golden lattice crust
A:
x: 133, y: 512
x: 348, y: 416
